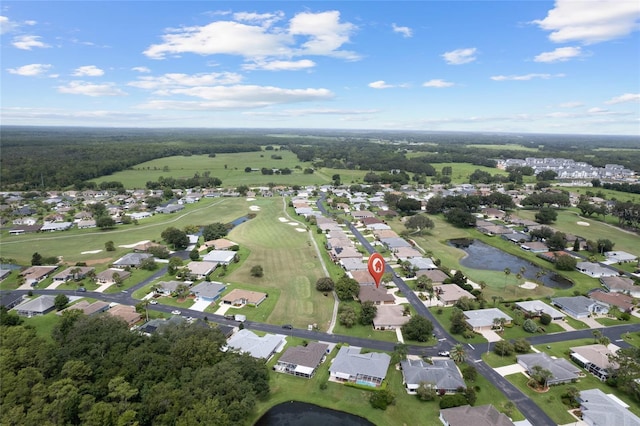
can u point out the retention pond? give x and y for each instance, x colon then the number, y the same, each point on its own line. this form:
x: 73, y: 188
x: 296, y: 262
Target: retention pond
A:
x: 302, y: 414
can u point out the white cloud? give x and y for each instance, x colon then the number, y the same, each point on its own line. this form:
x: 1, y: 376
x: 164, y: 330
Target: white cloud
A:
x: 88, y: 71
x: 30, y: 70
x: 264, y: 19
x: 438, y: 83
x: 141, y: 69
x: 310, y: 111
x: 7, y: 25
x: 405, y: 31
x: 627, y: 97
x: 590, y: 21
x: 176, y: 80
x: 27, y: 42
x: 326, y: 33
x: 525, y: 77
x: 237, y: 97
x: 280, y: 65
x: 380, y: 84
x: 90, y: 89
x: 573, y: 104
x: 321, y: 34
x: 460, y: 56
x: 560, y: 54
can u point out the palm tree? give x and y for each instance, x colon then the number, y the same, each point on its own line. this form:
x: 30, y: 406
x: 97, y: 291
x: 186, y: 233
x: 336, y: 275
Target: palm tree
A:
x: 597, y: 334
x: 507, y: 272
x: 457, y: 353
x: 604, y: 340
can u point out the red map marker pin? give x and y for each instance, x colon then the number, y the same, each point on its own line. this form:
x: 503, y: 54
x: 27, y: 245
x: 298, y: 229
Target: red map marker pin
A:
x: 376, y: 267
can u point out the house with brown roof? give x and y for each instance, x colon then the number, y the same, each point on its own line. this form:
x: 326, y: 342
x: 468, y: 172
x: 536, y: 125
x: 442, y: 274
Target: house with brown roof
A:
x: 74, y: 272
x: 106, y: 276
x: 363, y: 277
x: 219, y: 244
x: 622, y: 301
x: 126, y: 313
x: 435, y: 275
x: 620, y: 284
x: 302, y: 361
x: 390, y: 317
x: 594, y: 358
x: 449, y: 294
x: 34, y: 274
x: 87, y: 308
x: 240, y: 297
x: 404, y: 253
x: 379, y: 296
x: 199, y: 270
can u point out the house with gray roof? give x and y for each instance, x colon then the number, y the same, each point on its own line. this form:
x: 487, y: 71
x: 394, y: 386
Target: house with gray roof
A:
x: 422, y: 263
x: 579, y: 306
x: 208, y: 291
x: 466, y: 415
x: 34, y: 307
x: 353, y: 264
x: 599, y: 408
x: 535, y: 308
x: 199, y: 270
x: 168, y: 287
x: 390, y: 317
x: 261, y: 347
x: 132, y: 260
x: 223, y: 257
x: 350, y: 365
x: 302, y: 361
x: 562, y: 370
x: 106, y: 276
x: 442, y: 375
x: 595, y: 270
x: 482, y: 319
x: 394, y: 243
x: 619, y: 256
x: 620, y: 284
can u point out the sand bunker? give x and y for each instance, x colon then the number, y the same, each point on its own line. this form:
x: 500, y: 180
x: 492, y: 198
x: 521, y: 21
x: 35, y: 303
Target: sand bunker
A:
x: 582, y: 223
x: 91, y: 252
x: 282, y: 219
x: 301, y: 230
x: 254, y: 208
x: 529, y: 285
x: 293, y: 223
x: 251, y: 199
x: 134, y: 244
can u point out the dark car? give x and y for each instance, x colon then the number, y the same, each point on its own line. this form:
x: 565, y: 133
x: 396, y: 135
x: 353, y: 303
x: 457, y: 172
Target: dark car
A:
x: 287, y: 326
x: 82, y: 289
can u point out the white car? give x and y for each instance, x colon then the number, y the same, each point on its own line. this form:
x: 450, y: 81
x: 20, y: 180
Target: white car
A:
x: 443, y: 353
x: 153, y: 302
x: 176, y: 312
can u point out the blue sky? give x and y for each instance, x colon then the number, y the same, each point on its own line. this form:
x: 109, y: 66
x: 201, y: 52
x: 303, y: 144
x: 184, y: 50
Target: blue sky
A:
x: 490, y: 66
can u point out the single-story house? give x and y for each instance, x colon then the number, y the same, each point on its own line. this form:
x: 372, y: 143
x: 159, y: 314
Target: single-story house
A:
x: 38, y: 306
x: 404, y: 253
x: 56, y: 226
x: 145, y: 246
x: 385, y: 233
x: 10, y: 300
x: 170, y: 208
x: 481, y: 415
x: 595, y: 270
x: 199, y: 270
x: 106, y: 276
x: 219, y: 244
x: 435, y: 275
x: 223, y: 257
x: 620, y: 284
x: 208, y: 291
x: 394, y: 243
x: 353, y: 264
x: 157, y: 324
x: 562, y: 370
x: 579, y: 306
x: 87, y: 308
x: 623, y: 302
x: 535, y: 247
x: 34, y: 274
x: 535, y: 308
x: 620, y: 257
x: 4, y: 273
x: 139, y: 215
x: 598, y: 409
x: 246, y: 341
x: 449, y: 294
x: 24, y: 229
x: 74, y: 272
x: 442, y: 375
x: 363, y: 277
x: 168, y: 287
x: 516, y: 237
x: 482, y: 319
x: 368, y: 369
x: 86, y: 223
x: 377, y: 295
x: 594, y: 359
x: 132, y: 260
x: 302, y: 361
x: 389, y: 317
x: 493, y: 213
x: 126, y: 313
x: 339, y: 253
x: 422, y: 263
x: 240, y: 297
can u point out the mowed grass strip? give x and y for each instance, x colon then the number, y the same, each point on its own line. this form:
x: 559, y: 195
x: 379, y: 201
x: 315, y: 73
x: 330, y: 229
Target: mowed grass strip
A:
x: 289, y: 262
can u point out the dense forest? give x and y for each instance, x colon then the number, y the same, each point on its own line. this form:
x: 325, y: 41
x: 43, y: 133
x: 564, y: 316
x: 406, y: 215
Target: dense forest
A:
x: 59, y: 157
x: 94, y: 371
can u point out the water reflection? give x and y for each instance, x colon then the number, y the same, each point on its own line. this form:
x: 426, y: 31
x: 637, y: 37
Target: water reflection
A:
x: 483, y: 256
x: 302, y: 414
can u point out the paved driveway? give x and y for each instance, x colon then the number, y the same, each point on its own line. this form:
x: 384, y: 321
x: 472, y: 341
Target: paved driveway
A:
x: 200, y: 305
x: 510, y: 369
x: 490, y: 335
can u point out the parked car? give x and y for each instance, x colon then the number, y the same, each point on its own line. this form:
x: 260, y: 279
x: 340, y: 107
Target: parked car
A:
x: 176, y: 312
x: 82, y: 289
x: 287, y: 326
x: 443, y: 353
x: 153, y: 302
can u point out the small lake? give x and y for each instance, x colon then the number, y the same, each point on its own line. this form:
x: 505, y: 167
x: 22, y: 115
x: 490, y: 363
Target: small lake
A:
x: 239, y: 220
x: 483, y: 256
x: 302, y: 414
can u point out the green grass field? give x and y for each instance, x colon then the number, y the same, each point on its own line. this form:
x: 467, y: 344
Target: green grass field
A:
x: 505, y: 147
x: 230, y: 169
